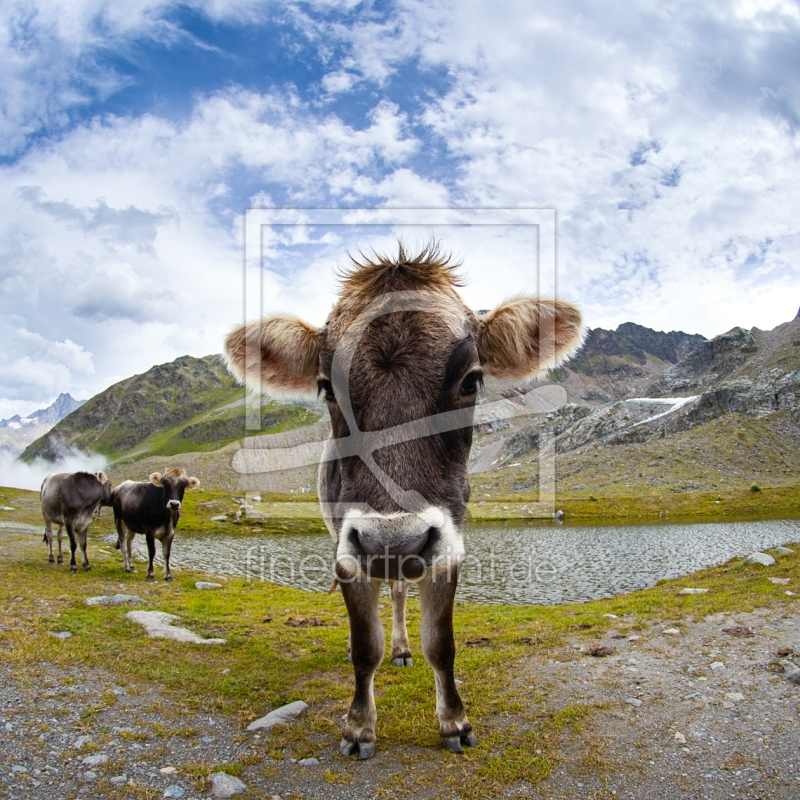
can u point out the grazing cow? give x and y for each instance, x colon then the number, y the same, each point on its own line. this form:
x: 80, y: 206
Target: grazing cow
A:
x: 71, y: 499
x: 399, y: 361
x: 152, y: 508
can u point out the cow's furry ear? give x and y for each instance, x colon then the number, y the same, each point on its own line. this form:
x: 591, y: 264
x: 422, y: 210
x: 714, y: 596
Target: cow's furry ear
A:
x: 525, y: 336
x: 193, y: 483
x: 281, y: 352
x: 102, y: 477
x: 155, y: 477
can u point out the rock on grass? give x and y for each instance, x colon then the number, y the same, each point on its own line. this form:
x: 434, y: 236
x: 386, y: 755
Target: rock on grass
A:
x: 158, y: 625
x: 113, y: 600
x: 760, y: 558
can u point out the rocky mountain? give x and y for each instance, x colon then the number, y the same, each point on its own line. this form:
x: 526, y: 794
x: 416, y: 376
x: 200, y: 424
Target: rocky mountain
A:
x: 188, y: 405
x: 612, y: 365
x: 17, y: 432
x: 736, y: 397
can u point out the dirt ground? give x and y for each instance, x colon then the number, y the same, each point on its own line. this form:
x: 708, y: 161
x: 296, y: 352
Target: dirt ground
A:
x: 701, y: 713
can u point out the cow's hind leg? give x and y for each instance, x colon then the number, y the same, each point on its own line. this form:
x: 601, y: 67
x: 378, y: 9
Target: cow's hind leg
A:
x: 366, y: 643
x: 73, y: 546
x: 60, y: 540
x: 48, y: 537
x: 439, y: 648
x: 82, y: 536
x: 121, y: 536
x: 129, y: 536
x: 401, y: 650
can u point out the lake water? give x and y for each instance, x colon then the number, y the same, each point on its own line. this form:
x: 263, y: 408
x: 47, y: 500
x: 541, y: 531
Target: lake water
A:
x: 509, y: 563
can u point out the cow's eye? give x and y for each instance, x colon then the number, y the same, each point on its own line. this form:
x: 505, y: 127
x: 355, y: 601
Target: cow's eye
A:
x: 470, y: 384
x: 324, y: 385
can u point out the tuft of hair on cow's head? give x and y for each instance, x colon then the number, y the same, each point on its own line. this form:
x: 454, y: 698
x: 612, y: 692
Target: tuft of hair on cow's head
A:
x: 174, y: 475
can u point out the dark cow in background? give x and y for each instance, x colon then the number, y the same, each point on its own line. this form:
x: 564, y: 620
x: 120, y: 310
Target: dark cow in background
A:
x: 71, y: 499
x: 399, y: 362
x: 152, y: 508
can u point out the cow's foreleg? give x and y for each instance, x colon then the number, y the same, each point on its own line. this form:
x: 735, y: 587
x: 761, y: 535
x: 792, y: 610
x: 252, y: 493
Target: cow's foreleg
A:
x: 401, y: 650
x: 82, y: 536
x: 60, y: 540
x: 73, y: 546
x: 439, y: 649
x: 151, y: 554
x: 366, y: 643
x: 166, y: 549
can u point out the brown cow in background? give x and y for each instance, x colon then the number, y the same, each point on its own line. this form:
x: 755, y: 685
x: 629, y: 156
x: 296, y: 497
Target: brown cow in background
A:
x: 71, y: 499
x: 152, y: 508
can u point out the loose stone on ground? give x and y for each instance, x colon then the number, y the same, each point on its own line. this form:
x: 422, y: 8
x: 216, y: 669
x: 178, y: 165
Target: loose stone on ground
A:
x: 760, y: 558
x: 279, y: 716
x: 158, y: 625
x: 114, y: 600
x: 224, y: 785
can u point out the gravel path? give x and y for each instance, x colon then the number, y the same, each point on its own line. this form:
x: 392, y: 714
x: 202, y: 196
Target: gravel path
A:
x: 703, y: 713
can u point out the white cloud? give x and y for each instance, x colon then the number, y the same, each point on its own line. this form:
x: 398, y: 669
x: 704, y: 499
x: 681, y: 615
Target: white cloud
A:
x: 30, y: 476
x: 110, y: 238
x: 664, y: 134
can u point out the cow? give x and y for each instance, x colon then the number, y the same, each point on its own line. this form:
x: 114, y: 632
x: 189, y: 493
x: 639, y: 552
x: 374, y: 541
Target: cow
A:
x: 399, y: 362
x: 150, y: 507
x: 71, y: 499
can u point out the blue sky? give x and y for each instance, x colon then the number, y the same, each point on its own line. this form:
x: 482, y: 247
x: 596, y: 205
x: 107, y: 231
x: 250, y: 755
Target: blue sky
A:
x: 134, y: 134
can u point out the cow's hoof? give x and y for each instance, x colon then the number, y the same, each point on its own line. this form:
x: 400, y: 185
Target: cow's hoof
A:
x: 52, y: 560
x: 364, y: 749
x: 454, y: 743
x: 403, y: 660
x: 169, y: 578
x: 61, y: 562
x: 73, y: 570
x: 87, y: 568
x: 151, y: 577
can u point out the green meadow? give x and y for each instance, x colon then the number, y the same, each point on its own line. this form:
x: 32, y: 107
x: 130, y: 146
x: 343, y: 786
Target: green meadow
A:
x: 271, y: 659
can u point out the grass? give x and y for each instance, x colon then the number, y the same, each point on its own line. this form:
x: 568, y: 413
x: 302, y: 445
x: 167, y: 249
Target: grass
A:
x: 765, y: 502
x: 267, y: 662
x: 299, y: 513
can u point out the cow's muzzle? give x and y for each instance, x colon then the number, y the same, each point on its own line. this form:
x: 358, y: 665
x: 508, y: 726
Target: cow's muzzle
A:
x: 395, y: 546
x: 173, y: 504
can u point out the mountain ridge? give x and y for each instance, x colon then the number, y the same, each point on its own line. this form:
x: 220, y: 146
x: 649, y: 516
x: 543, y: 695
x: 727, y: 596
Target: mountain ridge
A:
x: 739, y: 392
x: 17, y: 432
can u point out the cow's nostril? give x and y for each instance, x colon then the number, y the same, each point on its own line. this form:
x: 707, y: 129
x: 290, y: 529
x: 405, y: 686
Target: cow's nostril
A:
x: 400, y: 543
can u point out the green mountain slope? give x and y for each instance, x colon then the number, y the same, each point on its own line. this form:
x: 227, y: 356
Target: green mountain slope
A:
x: 188, y: 405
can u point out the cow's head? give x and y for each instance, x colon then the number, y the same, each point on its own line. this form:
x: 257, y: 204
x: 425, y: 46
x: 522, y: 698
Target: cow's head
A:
x: 174, y: 482
x: 400, y: 346
x: 105, y: 485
